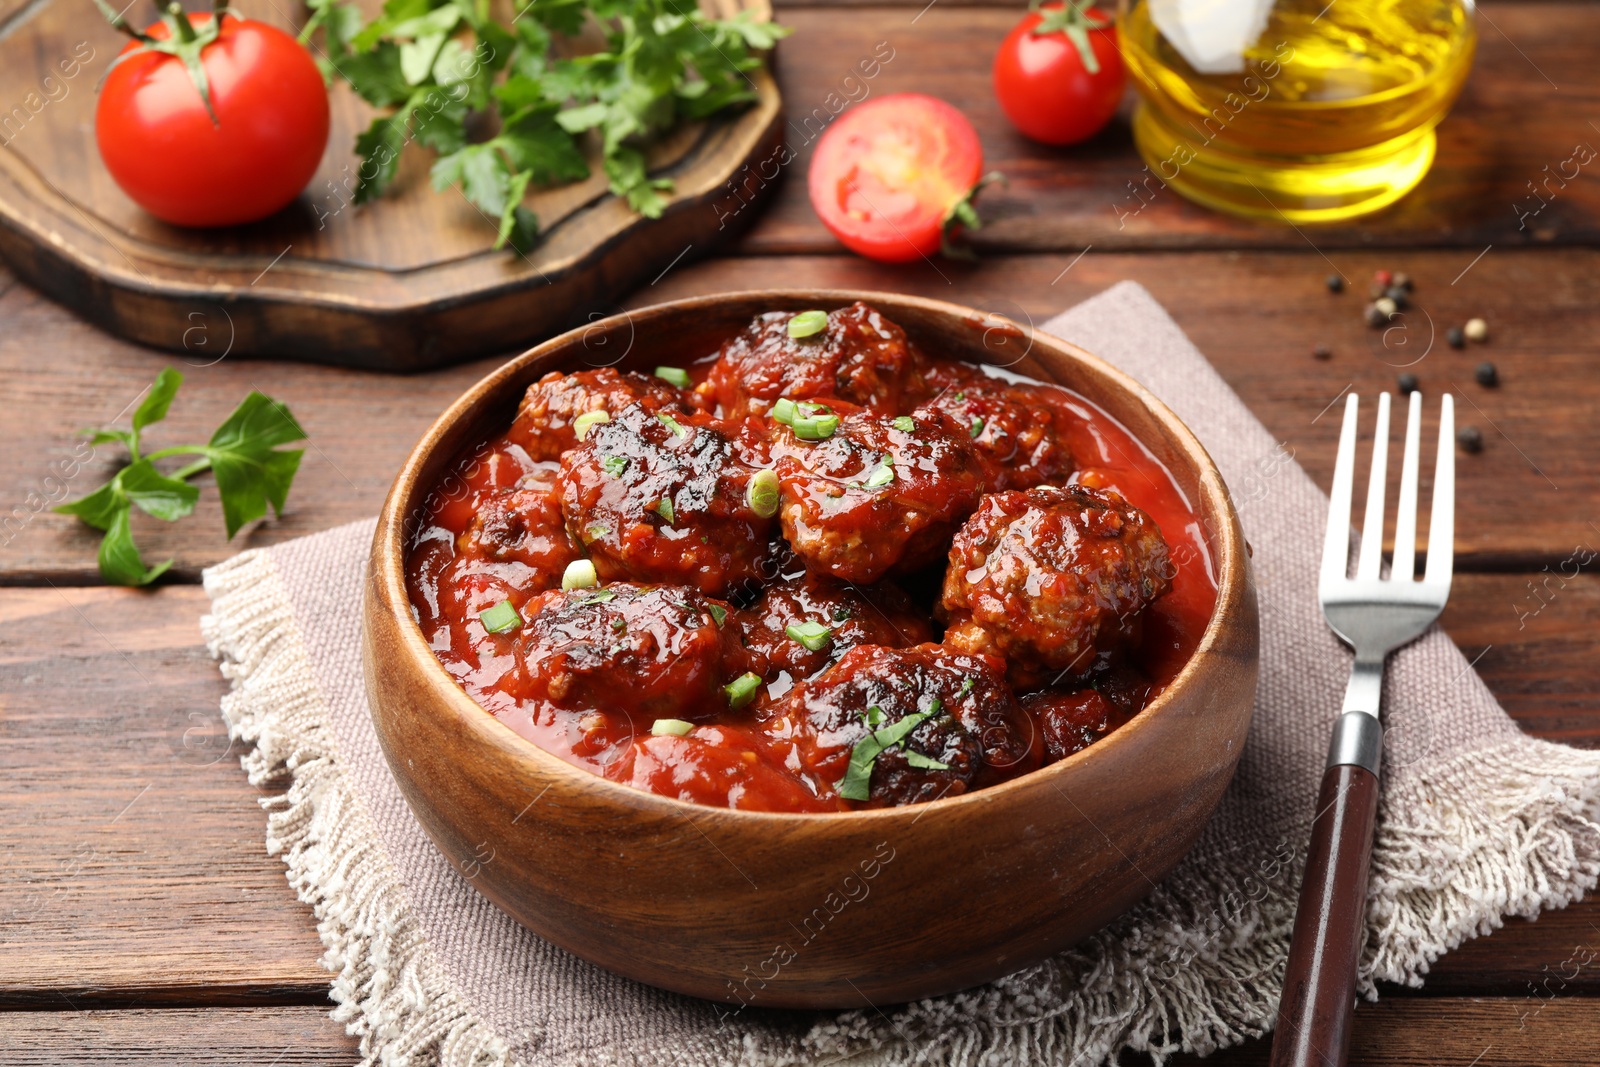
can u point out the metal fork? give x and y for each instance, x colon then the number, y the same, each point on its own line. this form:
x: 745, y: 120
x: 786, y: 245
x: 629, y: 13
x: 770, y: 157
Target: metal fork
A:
x: 1374, y: 615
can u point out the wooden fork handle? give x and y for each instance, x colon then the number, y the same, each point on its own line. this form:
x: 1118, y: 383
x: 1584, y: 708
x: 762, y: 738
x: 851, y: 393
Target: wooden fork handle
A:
x: 1319, y: 987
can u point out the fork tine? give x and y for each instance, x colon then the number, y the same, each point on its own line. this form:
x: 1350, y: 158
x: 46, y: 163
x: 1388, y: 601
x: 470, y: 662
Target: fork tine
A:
x: 1336, y: 544
x: 1370, y: 562
x: 1442, y: 526
x: 1405, y: 519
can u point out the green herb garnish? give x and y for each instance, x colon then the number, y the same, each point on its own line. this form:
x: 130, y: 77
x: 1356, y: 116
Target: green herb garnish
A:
x: 904, y: 423
x: 614, y: 465
x: 881, y: 475
x: 762, y: 493
x: 250, y: 470
x: 587, y: 421
x: 813, y: 635
x: 502, y: 618
x: 674, y: 375
x: 808, y: 323
x: 742, y: 690
x: 966, y: 687
x: 977, y: 426
x: 857, y: 780
x: 719, y: 613
x: 815, y: 427
x: 663, y: 507
x: 672, y: 424
x: 448, y: 69
x: 591, y: 599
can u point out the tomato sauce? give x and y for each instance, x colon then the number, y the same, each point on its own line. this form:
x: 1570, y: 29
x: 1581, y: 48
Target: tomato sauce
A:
x: 709, y: 690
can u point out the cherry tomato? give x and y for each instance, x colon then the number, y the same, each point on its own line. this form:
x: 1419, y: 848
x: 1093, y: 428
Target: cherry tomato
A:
x: 889, y: 173
x: 1058, y: 75
x: 162, y: 147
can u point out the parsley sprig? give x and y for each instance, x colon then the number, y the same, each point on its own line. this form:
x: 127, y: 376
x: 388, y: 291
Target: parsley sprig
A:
x: 857, y: 781
x: 447, y: 69
x: 250, y: 470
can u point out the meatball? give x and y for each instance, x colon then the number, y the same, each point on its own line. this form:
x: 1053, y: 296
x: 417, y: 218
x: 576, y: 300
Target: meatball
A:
x: 648, y: 652
x: 847, y: 616
x: 861, y: 357
x: 1070, y: 721
x: 968, y: 729
x: 544, y: 422
x: 1013, y: 427
x: 1051, y: 578
x: 523, y: 524
x: 658, y: 498
x: 878, y: 495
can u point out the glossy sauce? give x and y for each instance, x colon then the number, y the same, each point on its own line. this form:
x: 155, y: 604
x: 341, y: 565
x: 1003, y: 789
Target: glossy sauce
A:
x: 758, y: 757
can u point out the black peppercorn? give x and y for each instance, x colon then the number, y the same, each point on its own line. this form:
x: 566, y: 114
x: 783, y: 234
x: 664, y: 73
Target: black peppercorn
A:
x: 1322, y: 352
x: 1487, y: 375
x: 1469, y: 439
x: 1407, y: 383
x: 1455, y: 337
x: 1335, y: 283
x: 1398, y: 295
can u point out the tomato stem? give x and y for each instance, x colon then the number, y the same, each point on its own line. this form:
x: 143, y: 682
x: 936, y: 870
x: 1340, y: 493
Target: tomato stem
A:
x: 1075, y: 20
x: 963, y: 213
x: 185, y: 42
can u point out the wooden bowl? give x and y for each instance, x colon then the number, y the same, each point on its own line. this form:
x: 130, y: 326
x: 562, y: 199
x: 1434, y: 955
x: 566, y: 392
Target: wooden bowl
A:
x: 812, y: 911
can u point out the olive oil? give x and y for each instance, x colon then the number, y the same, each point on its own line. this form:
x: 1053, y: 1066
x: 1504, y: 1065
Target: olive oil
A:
x: 1303, y: 110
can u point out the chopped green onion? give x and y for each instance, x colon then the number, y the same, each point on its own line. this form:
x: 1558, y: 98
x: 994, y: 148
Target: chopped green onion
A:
x: 594, y: 533
x: 813, y: 635
x: 663, y: 507
x: 500, y: 619
x: 815, y: 427
x: 960, y: 396
x: 670, y: 727
x: 977, y: 426
x: 675, y: 375
x: 783, y: 411
x: 742, y: 690
x: 719, y: 613
x: 807, y: 323
x: 583, y: 423
x: 614, y: 465
x: 905, y: 424
x: 882, y: 475
x: 580, y: 574
x: 672, y: 424
x: 762, y: 493
x: 619, y: 624
x: 966, y: 687
x: 811, y: 407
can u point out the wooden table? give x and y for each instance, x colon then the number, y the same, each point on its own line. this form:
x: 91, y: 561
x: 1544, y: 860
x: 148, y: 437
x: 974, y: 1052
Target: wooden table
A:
x: 140, y: 918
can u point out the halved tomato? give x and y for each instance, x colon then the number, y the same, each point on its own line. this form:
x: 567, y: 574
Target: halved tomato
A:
x: 891, y: 176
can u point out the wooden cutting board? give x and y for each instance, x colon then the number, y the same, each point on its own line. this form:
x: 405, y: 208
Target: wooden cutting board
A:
x: 407, y: 283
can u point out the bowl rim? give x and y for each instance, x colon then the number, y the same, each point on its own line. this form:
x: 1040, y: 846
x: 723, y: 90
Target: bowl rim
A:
x: 386, y: 585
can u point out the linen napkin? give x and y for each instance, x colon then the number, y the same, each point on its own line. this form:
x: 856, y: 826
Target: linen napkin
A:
x: 1477, y: 822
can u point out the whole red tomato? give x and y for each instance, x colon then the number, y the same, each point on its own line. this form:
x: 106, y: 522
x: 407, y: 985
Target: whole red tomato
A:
x: 1058, y: 75
x: 892, y: 175
x: 163, y: 148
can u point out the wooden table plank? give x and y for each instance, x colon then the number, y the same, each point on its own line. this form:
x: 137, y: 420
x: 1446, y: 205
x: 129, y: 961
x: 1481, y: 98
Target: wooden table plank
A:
x: 1256, y: 315
x: 1508, y: 125
x: 132, y: 857
x: 1450, y: 1032
x: 1509, y: 1032
x: 200, y: 1037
